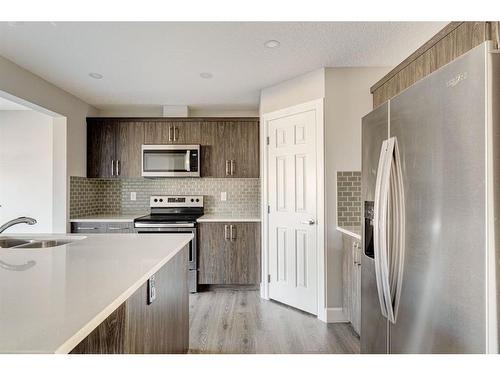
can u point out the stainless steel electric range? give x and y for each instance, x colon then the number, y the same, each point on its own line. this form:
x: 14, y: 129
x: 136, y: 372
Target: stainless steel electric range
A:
x: 175, y: 214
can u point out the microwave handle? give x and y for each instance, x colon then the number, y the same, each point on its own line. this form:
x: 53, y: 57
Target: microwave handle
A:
x: 187, y: 161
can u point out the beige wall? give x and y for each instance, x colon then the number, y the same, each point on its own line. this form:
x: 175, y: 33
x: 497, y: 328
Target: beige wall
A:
x: 347, y: 98
x: 298, y: 90
x: 26, y: 169
x: 69, y: 120
x: 23, y: 84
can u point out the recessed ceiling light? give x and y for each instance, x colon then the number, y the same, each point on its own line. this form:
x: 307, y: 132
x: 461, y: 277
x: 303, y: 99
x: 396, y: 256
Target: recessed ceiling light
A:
x: 272, y: 43
x: 206, y: 75
x: 95, y: 75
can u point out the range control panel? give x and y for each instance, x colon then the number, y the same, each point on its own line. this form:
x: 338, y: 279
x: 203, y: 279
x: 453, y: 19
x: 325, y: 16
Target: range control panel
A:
x: 176, y: 201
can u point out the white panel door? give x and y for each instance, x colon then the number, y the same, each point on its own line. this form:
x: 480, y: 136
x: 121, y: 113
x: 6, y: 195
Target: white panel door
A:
x: 292, y: 217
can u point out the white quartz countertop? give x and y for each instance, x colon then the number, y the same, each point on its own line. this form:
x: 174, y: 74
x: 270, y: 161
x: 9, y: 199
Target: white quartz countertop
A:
x: 228, y: 218
x: 354, y: 232
x: 52, y: 298
x: 125, y: 218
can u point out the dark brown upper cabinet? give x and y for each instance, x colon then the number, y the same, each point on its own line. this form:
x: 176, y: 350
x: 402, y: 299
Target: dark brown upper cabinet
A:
x: 229, y: 146
x: 214, y: 142
x: 243, y: 150
x: 100, y: 148
x: 172, y: 132
x: 114, y: 148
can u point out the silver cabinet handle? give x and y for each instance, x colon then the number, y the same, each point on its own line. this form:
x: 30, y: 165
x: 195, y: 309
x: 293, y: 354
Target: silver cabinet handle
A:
x: 308, y: 222
x: 87, y: 228
x: 112, y: 167
x: 115, y: 228
x: 170, y: 133
x: 118, y: 171
x: 226, y: 232
x: 175, y: 133
x: 227, y: 167
x: 233, y: 233
x: 232, y: 167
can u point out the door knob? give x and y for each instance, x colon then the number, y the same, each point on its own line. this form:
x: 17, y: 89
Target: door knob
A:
x: 309, y: 222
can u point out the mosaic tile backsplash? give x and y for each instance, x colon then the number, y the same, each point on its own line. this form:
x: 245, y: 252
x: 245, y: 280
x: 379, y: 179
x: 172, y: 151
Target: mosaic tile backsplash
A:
x: 93, y: 196
x: 349, y: 199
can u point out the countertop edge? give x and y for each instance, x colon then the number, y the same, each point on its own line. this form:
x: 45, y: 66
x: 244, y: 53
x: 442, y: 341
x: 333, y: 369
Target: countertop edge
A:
x: 349, y: 233
x: 228, y: 219
x: 97, y: 220
x: 214, y: 218
x: 74, y: 340
x: 118, y: 218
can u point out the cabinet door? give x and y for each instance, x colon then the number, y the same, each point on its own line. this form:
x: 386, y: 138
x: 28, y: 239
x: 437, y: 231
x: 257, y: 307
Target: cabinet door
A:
x: 347, y: 269
x: 100, y: 148
x: 243, y: 260
x: 213, y: 245
x: 243, y: 149
x: 158, y: 132
x: 129, y: 139
x: 229, y: 253
x: 187, y: 132
x: 356, y: 287
x: 214, y: 144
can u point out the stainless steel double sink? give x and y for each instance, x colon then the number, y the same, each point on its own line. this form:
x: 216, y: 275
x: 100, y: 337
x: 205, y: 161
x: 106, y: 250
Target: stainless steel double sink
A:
x: 21, y: 243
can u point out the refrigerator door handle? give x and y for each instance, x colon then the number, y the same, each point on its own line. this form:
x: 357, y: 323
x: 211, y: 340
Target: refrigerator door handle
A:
x: 391, y: 229
x: 386, y: 231
x: 378, y: 229
x: 398, y: 228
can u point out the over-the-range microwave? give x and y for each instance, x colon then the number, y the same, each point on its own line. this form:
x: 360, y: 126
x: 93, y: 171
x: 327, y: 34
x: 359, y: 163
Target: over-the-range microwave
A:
x: 171, y: 160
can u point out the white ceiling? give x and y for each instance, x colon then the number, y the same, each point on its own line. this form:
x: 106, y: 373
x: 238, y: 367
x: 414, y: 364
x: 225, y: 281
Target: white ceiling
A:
x: 7, y: 105
x: 160, y: 63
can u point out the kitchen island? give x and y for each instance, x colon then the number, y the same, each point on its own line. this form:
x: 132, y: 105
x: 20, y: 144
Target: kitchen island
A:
x: 92, y: 295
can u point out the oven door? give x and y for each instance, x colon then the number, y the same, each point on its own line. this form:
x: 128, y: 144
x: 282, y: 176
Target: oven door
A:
x: 170, y: 160
x: 192, y: 253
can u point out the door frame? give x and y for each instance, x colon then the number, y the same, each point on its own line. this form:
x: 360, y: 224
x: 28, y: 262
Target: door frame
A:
x: 318, y: 106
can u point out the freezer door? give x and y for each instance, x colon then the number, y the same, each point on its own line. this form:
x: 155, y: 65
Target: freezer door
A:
x: 373, y: 325
x: 439, y: 124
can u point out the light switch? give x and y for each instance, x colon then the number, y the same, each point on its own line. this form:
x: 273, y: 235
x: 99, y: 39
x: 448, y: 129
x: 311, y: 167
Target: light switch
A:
x: 223, y: 196
x: 133, y: 196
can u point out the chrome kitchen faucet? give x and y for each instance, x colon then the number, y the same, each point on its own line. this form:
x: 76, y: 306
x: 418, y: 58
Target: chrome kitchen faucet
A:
x: 19, y: 220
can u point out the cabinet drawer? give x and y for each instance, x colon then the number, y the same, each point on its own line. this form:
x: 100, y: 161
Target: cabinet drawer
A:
x: 120, y: 227
x: 87, y: 227
x: 102, y: 227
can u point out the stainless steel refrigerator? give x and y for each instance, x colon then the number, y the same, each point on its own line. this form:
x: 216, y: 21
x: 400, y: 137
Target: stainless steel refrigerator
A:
x: 431, y: 195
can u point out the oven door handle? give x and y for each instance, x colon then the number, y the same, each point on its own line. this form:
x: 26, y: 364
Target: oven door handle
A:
x: 164, y: 225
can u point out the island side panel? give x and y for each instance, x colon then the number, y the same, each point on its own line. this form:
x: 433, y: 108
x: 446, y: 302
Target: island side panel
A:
x: 136, y: 327
x: 163, y: 326
x: 108, y: 337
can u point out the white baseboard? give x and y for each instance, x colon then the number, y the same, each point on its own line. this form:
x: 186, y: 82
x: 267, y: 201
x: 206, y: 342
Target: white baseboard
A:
x: 334, y: 315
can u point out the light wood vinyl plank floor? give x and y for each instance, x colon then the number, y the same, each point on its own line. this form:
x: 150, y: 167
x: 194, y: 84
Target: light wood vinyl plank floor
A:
x: 234, y: 321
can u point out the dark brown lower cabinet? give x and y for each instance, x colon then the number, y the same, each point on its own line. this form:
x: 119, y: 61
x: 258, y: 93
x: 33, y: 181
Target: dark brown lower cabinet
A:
x: 138, y: 328
x: 229, y: 253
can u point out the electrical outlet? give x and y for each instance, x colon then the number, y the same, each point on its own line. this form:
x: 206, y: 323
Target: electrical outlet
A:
x: 133, y: 196
x: 223, y: 196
